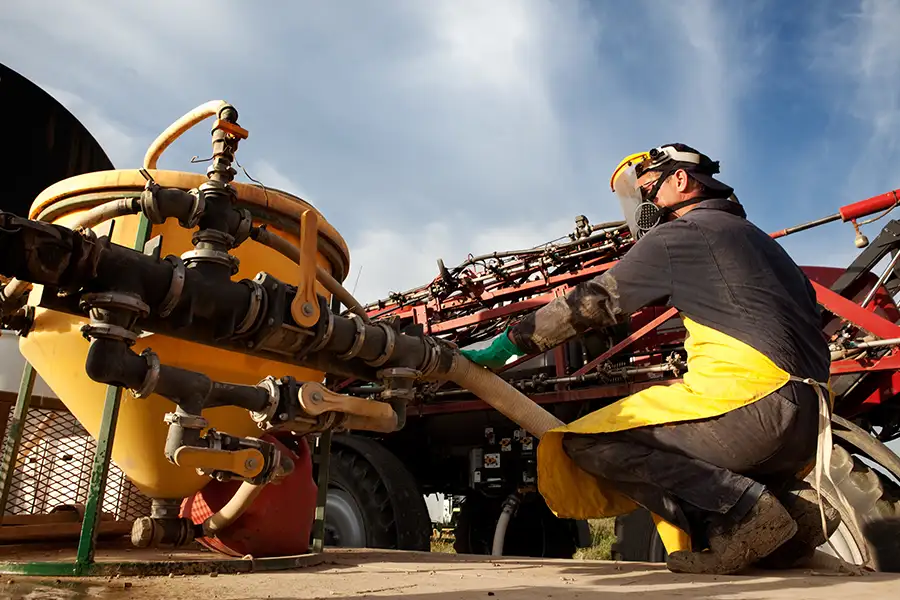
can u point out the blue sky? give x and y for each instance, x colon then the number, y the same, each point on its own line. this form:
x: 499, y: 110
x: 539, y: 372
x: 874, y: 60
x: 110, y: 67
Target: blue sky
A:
x: 433, y: 129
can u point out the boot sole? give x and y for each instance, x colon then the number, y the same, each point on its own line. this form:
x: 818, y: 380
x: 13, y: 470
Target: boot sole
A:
x: 804, y: 509
x: 751, y: 543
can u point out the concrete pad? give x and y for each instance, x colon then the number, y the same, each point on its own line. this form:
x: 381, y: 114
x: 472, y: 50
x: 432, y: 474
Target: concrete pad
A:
x: 420, y: 576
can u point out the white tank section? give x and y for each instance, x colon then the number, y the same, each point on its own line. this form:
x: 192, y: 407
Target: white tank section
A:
x: 11, y: 365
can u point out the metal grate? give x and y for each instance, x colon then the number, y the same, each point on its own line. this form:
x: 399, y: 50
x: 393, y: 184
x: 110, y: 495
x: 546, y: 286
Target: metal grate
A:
x: 53, y: 468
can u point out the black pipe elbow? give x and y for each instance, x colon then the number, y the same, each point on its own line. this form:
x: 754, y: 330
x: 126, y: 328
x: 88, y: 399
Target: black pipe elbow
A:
x: 112, y: 362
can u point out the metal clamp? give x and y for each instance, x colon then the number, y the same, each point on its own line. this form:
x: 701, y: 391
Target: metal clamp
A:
x: 358, y: 340
x: 243, y: 230
x: 389, y: 343
x: 110, y: 332
x: 257, y: 296
x: 186, y: 421
x: 152, y: 377
x: 212, y: 256
x: 197, y: 209
x: 325, y: 337
x: 270, y: 385
x: 149, y: 205
x: 115, y: 301
x: 176, y: 286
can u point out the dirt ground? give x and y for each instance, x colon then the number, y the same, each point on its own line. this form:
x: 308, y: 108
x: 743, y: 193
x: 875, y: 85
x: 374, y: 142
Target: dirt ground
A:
x: 369, y: 574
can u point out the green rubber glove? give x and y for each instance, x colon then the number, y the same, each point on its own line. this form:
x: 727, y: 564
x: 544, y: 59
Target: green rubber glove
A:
x: 495, y: 355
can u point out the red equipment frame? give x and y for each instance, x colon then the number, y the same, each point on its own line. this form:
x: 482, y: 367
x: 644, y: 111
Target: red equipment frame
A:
x: 480, y: 298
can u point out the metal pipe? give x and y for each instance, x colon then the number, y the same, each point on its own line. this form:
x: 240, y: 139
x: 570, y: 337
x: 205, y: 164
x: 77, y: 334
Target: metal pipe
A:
x: 176, y: 129
x: 881, y: 280
x: 808, y: 225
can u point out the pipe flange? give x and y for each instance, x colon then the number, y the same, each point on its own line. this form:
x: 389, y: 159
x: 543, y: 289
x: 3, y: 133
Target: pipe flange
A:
x: 389, y: 343
x: 256, y: 302
x: 270, y: 385
x: 243, y: 230
x: 186, y: 421
x: 358, y: 340
x: 202, y: 255
x: 176, y: 286
x: 115, y: 301
x: 152, y: 377
x: 109, y: 332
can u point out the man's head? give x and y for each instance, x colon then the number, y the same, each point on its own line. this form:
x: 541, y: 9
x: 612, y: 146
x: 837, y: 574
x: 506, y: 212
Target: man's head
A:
x: 664, y: 183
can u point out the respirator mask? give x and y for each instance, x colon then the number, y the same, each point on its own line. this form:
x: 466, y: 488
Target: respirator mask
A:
x: 638, y: 203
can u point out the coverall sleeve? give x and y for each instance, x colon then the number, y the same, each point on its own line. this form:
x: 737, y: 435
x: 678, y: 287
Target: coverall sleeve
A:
x: 641, y: 278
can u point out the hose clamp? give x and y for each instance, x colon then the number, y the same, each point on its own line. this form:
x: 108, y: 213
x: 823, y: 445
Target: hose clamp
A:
x: 211, y: 256
x: 270, y: 385
x: 326, y: 328
x: 176, y: 286
x: 149, y: 204
x: 390, y: 340
x: 432, y: 356
x: 197, y: 209
x: 152, y: 376
x: 243, y: 229
x: 186, y: 421
x: 358, y: 340
x: 109, y: 332
x: 256, y: 301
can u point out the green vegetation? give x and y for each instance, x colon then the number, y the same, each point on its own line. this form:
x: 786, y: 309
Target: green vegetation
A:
x: 602, y: 537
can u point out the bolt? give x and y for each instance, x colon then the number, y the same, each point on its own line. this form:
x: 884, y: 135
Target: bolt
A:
x: 317, y: 397
x: 271, y: 321
x: 283, y: 416
x: 250, y: 463
x: 307, y: 309
x: 250, y: 344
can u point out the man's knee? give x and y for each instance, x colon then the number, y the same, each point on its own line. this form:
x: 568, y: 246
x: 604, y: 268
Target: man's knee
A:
x: 576, y: 444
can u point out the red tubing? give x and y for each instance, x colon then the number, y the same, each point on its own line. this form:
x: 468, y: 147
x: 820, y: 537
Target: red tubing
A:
x: 867, y: 207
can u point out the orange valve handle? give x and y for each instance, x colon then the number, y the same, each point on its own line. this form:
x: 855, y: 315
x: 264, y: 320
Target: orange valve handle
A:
x: 305, y: 306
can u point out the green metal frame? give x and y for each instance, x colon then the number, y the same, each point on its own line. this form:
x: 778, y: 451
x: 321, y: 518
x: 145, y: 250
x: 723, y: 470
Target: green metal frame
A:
x: 85, y: 564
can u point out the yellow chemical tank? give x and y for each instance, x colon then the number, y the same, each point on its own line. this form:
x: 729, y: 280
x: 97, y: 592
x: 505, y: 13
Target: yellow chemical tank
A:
x: 58, y: 351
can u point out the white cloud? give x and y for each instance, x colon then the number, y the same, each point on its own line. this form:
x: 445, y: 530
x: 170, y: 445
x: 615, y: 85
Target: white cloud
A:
x: 265, y: 172
x: 491, y: 118
x: 394, y: 260
x: 860, y: 54
x: 119, y: 143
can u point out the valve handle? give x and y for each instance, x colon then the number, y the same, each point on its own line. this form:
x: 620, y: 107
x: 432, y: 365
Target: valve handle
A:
x: 305, y: 306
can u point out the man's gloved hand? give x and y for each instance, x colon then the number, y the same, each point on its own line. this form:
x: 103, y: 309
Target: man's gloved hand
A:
x: 495, y: 355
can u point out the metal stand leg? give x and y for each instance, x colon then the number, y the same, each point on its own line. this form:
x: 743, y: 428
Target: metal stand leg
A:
x: 15, y: 427
x: 322, y: 457
x: 99, y: 471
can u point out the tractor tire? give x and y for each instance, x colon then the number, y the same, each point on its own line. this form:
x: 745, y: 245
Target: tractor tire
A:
x: 534, y: 531
x: 874, y: 501
x: 373, y: 501
x: 637, y: 539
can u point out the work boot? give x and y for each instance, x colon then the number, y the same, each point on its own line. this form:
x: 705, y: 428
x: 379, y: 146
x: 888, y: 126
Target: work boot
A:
x: 802, y: 503
x: 733, y: 548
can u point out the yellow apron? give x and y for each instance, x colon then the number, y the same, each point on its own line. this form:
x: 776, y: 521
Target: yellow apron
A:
x: 723, y: 374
